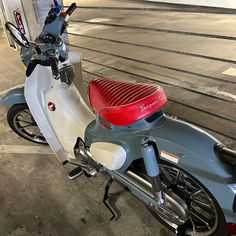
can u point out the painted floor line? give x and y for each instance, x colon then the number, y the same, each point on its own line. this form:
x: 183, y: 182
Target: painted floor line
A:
x: 20, y: 149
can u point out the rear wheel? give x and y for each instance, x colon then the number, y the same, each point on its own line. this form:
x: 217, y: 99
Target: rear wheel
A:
x: 23, y: 124
x: 205, y: 215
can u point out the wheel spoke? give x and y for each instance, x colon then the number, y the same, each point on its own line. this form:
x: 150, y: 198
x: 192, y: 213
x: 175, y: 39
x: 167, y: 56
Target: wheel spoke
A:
x: 167, y: 175
x: 191, y: 186
x: 26, y: 126
x: 24, y: 121
x: 194, y: 226
x: 202, y: 203
x: 27, y: 112
x: 200, y: 218
x: 177, y: 177
x: 196, y: 193
x: 37, y: 135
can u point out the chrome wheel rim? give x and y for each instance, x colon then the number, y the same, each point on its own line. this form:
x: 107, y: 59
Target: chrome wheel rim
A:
x: 203, y: 217
x: 26, y: 126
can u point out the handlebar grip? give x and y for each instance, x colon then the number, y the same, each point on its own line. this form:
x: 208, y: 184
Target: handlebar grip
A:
x: 31, y: 67
x: 71, y: 9
x: 54, y: 67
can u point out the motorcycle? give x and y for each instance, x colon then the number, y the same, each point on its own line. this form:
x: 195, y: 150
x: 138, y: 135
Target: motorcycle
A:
x: 185, y: 176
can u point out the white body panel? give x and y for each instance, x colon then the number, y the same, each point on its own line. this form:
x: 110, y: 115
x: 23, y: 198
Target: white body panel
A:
x: 110, y: 155
x: 63, y: 126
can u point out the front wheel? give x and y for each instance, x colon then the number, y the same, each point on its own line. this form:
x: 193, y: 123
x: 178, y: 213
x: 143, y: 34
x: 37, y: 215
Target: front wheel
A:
x: 205, y: 215
x: 23, y: 124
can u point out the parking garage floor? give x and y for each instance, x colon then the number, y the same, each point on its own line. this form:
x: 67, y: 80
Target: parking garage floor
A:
x: 36, y: 197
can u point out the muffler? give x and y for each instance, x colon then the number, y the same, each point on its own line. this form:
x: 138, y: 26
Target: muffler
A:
x: 173, y: 209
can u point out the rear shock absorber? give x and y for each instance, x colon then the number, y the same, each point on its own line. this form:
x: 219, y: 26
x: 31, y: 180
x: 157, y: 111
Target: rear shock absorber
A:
x: 152, y: 168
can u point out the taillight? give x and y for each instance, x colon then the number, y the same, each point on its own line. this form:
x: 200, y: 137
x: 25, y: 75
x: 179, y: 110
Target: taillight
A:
x: 231, y: 228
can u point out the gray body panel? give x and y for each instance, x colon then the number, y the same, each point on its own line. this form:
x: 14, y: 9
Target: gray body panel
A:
x: 14, y: 96
x: 193, y: 146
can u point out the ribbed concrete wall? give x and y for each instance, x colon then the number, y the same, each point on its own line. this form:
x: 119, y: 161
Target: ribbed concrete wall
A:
x: 208, y: 3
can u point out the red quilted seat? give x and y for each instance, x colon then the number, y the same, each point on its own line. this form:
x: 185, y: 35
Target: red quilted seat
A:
x: 123, y: 103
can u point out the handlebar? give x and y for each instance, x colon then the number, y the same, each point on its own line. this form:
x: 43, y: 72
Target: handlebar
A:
x: 54, y: 67
x: 51, y: 35
x: 55, y: 2
x: 71, y: 9
x: 53, y: 61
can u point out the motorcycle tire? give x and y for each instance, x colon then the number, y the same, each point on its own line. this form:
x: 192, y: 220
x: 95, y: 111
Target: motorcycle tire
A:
x: 23, y: 124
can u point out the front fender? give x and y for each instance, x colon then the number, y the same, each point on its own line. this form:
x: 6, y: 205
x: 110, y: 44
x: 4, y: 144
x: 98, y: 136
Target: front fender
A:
x: 192, y: 149
x: 14, y: 96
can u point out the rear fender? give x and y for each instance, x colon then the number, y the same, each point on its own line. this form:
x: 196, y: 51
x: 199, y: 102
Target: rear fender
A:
x: 14, y: 96
x: 192, y: 149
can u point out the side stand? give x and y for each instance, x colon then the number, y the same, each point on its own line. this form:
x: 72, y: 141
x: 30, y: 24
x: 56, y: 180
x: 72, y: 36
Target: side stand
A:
x: 106, y: 198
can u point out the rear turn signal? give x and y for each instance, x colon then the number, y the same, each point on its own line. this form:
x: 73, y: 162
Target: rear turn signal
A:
x: 231, y: 228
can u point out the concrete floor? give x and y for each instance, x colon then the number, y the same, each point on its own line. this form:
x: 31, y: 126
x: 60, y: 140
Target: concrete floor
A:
x: 36, y: 198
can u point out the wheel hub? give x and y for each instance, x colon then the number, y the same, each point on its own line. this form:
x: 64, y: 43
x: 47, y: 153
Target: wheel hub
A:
x: 174, y: 209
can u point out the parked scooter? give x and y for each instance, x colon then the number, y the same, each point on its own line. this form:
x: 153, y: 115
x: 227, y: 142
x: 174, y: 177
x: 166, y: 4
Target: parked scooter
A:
x: 186, y: 177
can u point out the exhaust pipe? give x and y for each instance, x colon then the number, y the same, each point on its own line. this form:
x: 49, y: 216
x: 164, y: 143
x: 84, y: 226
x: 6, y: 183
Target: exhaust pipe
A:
x: 173, y: 209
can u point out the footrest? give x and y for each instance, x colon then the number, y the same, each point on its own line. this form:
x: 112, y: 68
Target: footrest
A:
x: 75, y: 173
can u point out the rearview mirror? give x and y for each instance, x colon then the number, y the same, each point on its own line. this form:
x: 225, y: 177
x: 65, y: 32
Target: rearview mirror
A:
x: 18, y: 37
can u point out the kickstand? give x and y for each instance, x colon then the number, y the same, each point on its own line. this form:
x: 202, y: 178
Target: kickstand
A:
x: 106, y: 198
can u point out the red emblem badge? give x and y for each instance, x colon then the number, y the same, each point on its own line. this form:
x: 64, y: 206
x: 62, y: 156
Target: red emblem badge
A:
x: 51, y: 106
